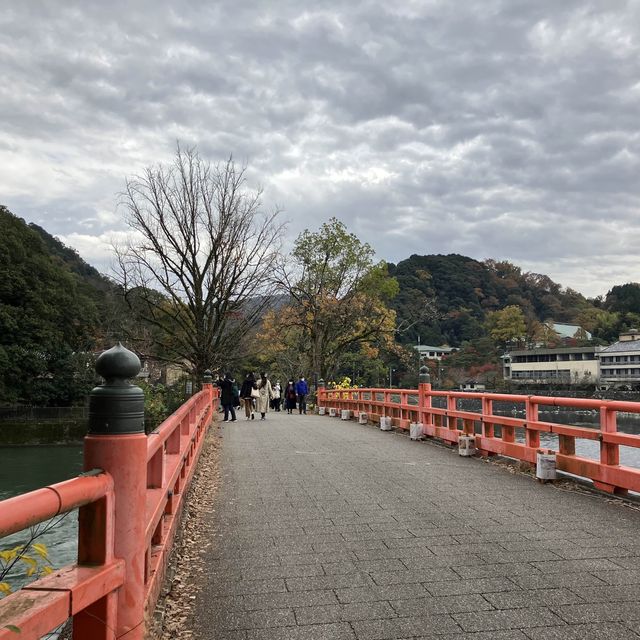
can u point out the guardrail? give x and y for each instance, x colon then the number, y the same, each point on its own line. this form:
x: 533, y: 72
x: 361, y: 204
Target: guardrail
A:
x: 449, y: 422
x: 130, y: 506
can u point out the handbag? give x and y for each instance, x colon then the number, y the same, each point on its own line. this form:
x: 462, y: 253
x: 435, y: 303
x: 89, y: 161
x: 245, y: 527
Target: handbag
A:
x: 255, y: 393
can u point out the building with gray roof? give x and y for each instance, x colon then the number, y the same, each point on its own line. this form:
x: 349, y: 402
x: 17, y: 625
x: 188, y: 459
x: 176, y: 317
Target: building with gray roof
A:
x: 620, y: 362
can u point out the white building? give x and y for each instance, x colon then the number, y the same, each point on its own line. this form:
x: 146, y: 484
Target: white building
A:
x: 428, y: 352
x: 570, y: 365
x: 472, y: 385
x: 620, y: 362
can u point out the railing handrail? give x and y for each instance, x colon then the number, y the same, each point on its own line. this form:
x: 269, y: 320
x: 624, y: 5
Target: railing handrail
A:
x: 36, y: 506
x: 629, y: 406
x: 161, y: 433
x: 450, y: 422
x: 171, y: 453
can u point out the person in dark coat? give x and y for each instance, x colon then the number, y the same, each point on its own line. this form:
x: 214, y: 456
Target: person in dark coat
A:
x: 302, y: 389
x: 227, y: 397
x: 290, y: 396
x: 248, y: 398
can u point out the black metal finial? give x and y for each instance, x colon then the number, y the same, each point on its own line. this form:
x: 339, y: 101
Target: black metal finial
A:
x: 118, y: 364
x: 117, y: 406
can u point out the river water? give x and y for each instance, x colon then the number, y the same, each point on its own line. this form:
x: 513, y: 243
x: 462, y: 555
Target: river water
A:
x: 24, y: 469
x: 627, y: 423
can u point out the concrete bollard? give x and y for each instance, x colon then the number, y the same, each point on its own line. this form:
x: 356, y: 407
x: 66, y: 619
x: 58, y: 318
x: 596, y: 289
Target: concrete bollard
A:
x: 345, y: 414
x: 362, y: 418
x: 385, y: 423
x: 333, y: 412
x: 467, y: 446
x: 545, y: 465
x: 322, y: 411
x: 415, y: 431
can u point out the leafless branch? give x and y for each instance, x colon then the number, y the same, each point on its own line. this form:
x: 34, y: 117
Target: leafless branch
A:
x: 197, y: 267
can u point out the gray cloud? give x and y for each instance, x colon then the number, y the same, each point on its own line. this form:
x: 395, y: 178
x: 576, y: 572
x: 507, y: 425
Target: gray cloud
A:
x: 493, y: 128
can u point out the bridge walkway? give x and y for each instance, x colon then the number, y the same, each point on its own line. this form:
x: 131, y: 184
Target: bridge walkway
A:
x: 325, y: 529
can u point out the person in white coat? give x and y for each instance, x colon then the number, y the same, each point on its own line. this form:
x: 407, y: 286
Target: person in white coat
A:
x: 277, y: 395
x: 266, y: 395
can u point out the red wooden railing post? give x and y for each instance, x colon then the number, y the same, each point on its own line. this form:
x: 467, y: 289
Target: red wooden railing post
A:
x: 424, y: 400
x: 96, y: 532
x: 532, y: 436
x: 487, y: 425
x: 609, y: 452
x: 207, y: 385
x: 117, y: 444
x: 452, y: 406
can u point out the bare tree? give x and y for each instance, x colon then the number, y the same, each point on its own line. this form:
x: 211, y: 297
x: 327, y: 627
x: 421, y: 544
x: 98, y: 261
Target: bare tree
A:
x: 196, y: 267
x: 420, y: 309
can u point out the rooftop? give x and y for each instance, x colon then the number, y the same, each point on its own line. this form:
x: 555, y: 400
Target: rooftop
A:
x: 567, y: 330
x: 625, y: 345
x: 586, y: 349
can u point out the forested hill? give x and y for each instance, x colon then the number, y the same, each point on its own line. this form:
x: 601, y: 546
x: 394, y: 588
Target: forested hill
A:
x: 54, y: 310
x: 69, y: 256
x: 464, y: 291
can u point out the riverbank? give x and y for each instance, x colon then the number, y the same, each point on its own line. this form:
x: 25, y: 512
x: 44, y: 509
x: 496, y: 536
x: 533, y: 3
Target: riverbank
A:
x: 20, y: 434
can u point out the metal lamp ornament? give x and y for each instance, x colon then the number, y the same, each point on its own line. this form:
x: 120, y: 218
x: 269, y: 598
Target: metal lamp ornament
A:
x: 117, y: 406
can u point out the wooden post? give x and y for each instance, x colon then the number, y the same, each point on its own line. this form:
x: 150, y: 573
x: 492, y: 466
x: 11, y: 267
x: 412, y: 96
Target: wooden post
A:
x: 117, y: 444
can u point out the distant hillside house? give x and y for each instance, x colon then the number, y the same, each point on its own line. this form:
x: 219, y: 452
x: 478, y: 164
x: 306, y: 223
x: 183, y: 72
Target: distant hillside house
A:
x: 568, y: 331
x: 569, y: 365
x: 620, y: 362
x: 472, y: 385
x: 428, y: 352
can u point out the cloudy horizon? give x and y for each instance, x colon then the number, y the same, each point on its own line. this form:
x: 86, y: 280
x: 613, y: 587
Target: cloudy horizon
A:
x: 497, y: 129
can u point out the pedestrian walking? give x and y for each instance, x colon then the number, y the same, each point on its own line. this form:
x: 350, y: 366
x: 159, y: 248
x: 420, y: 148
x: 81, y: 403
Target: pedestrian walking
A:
x: 302, y: 389
x: 265, y: 396
x: 248, y: 393
x: 236, y: 394
x: 290, y: 396
x: 227, y: 397
x: 277, y: 396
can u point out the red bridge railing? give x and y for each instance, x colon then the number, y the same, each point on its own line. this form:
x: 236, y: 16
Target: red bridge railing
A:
x: 449, y: 422
x: 129, y: 504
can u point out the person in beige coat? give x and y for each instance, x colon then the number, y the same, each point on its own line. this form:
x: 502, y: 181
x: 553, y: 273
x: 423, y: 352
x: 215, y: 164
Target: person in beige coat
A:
x: 266, y: 394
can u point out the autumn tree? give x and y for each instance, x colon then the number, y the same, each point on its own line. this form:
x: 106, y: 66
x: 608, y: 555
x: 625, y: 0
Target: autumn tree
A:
x: 507, y: 325
x: 196, y: 263
x: 280, y: 346
x: 337, y: 297
x: 546, y: 335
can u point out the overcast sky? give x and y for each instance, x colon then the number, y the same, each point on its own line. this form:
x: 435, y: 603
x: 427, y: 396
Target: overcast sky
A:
x: 504, y: 129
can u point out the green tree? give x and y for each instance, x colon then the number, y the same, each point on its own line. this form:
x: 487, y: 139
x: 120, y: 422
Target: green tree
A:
x: 507, y: 325
x: 338, y: 296
x: 624, y: 298
x: 48, y: 321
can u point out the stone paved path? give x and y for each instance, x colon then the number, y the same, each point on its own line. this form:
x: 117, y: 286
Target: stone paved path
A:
x: 328, y: 530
